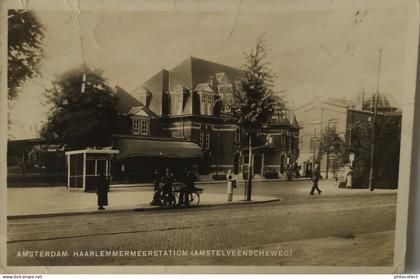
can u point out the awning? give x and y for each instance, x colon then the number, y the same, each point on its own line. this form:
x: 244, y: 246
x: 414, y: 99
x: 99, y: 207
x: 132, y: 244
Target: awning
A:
x: 130, y: 147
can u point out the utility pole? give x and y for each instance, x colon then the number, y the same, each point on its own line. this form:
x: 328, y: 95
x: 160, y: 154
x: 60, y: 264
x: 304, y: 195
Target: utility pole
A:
x: 373, y: 124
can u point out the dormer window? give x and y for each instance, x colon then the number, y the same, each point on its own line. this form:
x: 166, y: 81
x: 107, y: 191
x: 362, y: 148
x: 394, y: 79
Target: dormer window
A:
x: 178, y: 97
x: 141, y: 126
x: 207, y: 98
x: 207, y: 105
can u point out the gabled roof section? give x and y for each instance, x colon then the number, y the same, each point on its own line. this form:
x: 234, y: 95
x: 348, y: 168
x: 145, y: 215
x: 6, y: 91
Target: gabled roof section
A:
x: 204, y: 87
x: 141, y: 111
x: 316, y: 102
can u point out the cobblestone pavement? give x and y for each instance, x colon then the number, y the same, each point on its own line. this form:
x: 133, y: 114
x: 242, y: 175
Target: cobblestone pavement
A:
x: 340, y: 225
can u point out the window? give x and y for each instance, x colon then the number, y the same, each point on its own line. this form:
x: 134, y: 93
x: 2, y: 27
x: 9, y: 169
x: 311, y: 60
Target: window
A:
x: 145, y: 127
x: 332, y: 125
x: 95, y: 166
x: 226, y: 107
x: 205, y: 139
x: 237, y: 135
x: 136, y: 126
x: 141, y: 126
x: 314, y: 144
x: 178, y: 104
x: 204, y: 107
x: 208, y: 100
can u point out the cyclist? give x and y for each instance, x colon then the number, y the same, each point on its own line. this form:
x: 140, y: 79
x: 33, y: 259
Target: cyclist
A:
x: 168, y: 181
x: 188, y: 188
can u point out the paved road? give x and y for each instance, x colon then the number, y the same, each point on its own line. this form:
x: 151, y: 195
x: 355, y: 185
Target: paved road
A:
x: 342, y: 228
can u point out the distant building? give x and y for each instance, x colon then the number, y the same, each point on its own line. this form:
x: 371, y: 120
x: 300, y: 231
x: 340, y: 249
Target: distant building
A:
x: 314, y: 120
x: 177, y: 119
x: 341, y: 115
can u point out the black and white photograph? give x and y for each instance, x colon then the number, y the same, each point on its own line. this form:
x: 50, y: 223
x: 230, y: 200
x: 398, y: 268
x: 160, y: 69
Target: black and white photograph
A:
x: 246, y: 134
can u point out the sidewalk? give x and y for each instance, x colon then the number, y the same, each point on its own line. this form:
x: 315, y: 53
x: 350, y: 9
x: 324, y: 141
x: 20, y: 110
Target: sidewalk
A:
x: 58, y: 201
x: 210, y: 182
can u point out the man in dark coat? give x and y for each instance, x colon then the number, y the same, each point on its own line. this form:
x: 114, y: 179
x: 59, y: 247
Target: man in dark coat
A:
x: 156, y: 188
x: 102, y: 191
x: 168, y: 181
x: 189, y: 187
x: 315, y: 178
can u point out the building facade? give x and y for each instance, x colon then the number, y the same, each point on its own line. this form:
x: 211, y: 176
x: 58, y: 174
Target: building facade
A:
x: 315, y: 119
x: 188, y: 105
x: 342, y: 116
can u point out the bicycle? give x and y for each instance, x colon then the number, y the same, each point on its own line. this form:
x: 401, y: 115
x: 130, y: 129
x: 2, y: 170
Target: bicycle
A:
x: 173, y: 198
x: 193, y: 196
x: 168, y: 200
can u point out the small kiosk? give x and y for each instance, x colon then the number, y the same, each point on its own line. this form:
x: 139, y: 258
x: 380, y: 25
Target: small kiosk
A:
x: 84, y: 166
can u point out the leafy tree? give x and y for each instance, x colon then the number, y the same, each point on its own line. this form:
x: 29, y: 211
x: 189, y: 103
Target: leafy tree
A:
x: 25, y: 36
x: 387, y: 152
x: 333, y: 144
x: 360, y: 145
x: 253, y: 102
x: 83, y: 109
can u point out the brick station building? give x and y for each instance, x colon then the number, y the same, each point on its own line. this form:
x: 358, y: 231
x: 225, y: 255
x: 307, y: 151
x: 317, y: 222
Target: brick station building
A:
x: 178, y: 119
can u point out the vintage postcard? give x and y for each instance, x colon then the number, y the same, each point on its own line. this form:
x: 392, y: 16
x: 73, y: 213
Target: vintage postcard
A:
x: 206, y: 136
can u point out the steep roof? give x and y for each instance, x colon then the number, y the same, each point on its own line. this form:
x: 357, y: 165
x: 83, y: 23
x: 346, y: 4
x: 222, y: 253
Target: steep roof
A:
x: 157, y: 84
x: 125, y: 101
x: 193, y: 71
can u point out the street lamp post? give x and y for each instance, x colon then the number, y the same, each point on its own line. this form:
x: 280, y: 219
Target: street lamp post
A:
x: 373, y: 124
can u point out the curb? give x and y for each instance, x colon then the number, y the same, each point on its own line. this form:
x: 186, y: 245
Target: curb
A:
x: 209, y: 182
x: 137, y: 209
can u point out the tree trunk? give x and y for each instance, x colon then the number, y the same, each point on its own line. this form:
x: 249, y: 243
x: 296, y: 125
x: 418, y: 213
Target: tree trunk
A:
x: 250, y: 170
x: 328, y: 164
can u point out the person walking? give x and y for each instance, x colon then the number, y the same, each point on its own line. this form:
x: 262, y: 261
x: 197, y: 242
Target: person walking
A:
x: 102, y: 191
x: 315, y: 178
x: 349, y: 178
x: 230, y: 180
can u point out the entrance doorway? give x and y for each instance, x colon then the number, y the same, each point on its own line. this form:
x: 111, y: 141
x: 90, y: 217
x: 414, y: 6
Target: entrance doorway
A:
x: 257, y: 163
x: 236, y: 163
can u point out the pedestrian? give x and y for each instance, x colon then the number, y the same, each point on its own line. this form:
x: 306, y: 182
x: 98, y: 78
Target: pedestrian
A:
x: 230, y: 181
x: 168, y: 181
x: 102, y: 191
x: 156, y: 188
x: 315, y: 178
x: 349, y: 178
x: 187, y: 189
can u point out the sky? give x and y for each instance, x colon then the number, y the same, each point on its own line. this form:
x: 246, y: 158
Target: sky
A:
x: 326, y: 52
